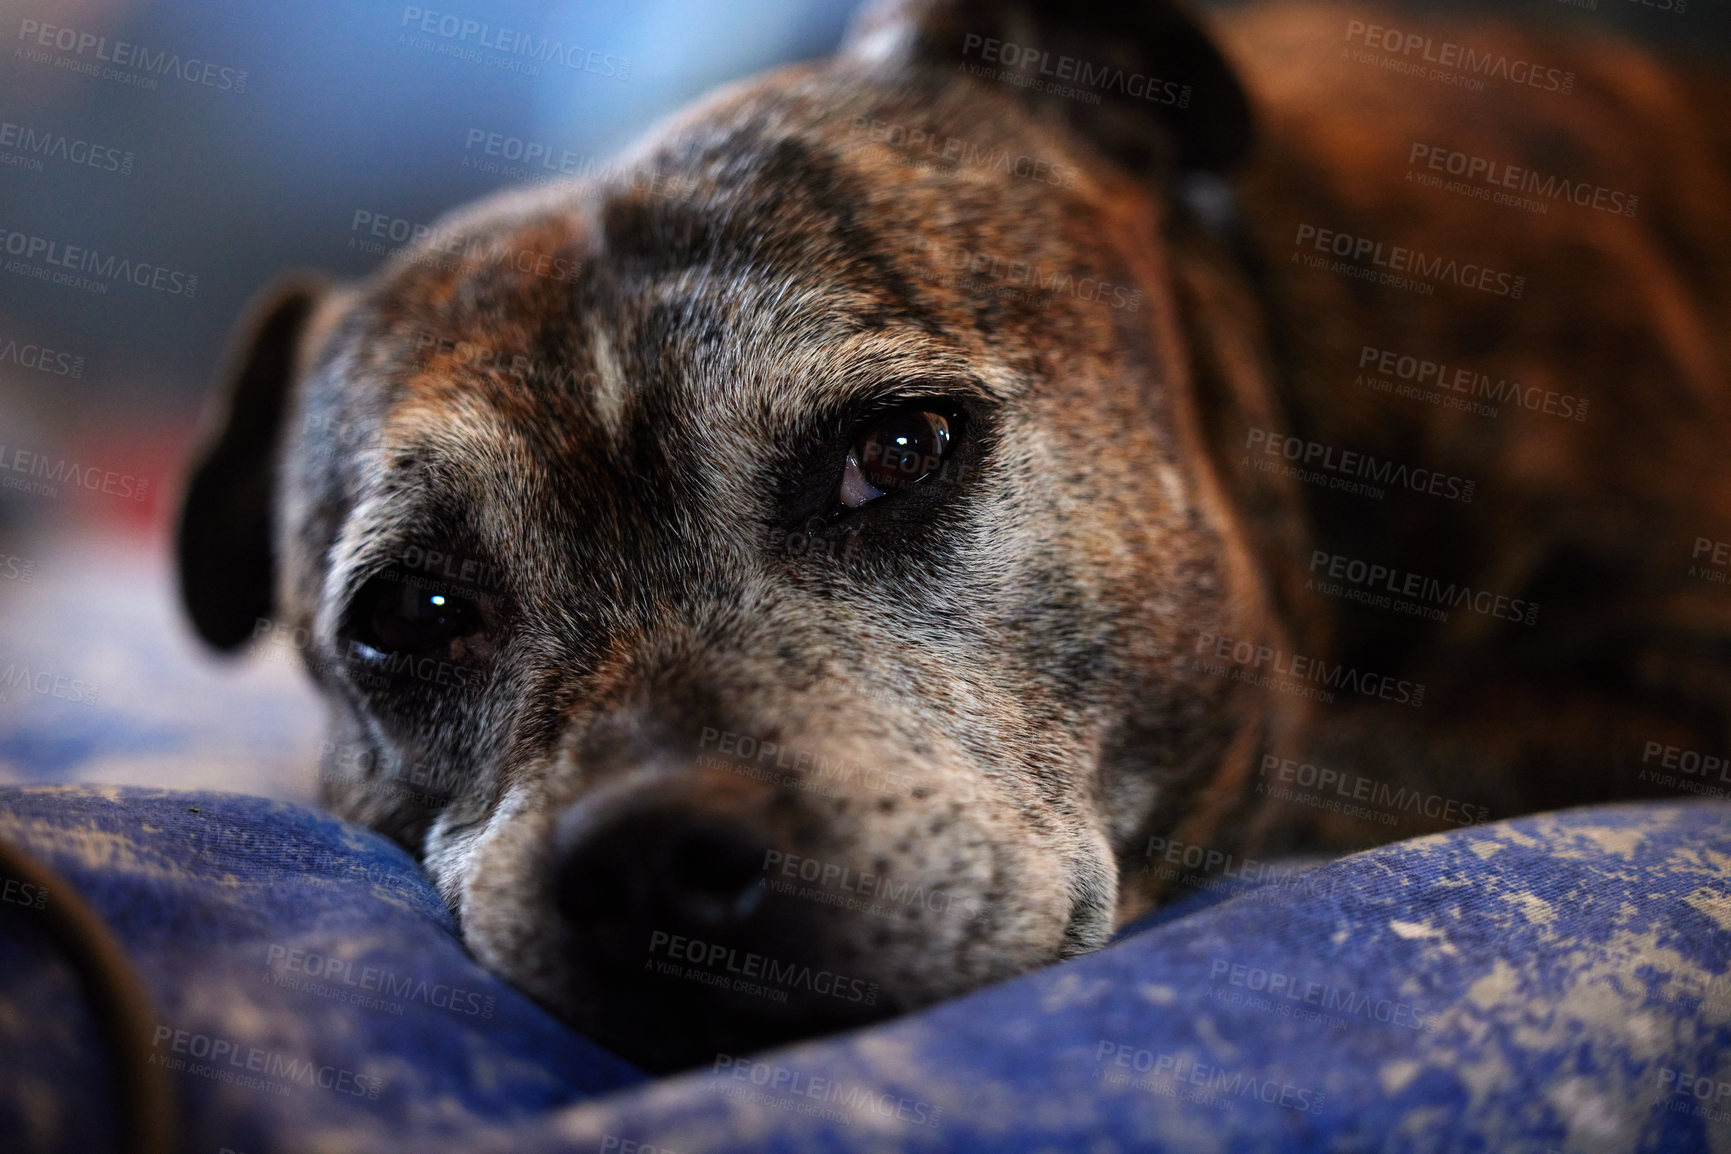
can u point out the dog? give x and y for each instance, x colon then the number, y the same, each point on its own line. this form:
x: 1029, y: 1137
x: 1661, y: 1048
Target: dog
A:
x: 831, y: 564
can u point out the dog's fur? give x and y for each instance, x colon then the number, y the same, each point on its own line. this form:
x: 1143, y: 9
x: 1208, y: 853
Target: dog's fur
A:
x: 1010, y: 648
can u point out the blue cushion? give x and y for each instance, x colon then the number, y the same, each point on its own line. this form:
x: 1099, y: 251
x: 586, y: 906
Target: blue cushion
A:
x: 1555, y: 981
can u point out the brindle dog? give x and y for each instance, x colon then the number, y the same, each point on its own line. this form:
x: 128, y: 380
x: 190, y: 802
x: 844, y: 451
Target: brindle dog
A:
x: 797, y: 580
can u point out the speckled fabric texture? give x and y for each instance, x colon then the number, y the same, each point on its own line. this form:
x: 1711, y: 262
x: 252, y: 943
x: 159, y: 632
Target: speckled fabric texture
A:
x: 1557, y: 982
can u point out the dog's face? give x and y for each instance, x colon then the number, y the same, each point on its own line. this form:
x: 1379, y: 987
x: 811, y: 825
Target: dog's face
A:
x: 760, y: 586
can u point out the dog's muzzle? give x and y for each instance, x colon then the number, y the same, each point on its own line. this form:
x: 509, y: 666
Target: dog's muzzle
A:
x: 686, y: 942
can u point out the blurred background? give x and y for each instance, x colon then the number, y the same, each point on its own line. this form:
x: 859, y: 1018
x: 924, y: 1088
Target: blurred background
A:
x: 296, y: 121
x: 297, y: 118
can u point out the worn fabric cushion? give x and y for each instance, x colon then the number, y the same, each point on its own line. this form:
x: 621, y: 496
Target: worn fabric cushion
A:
x: 304, y: 973
x: 1554, y: 982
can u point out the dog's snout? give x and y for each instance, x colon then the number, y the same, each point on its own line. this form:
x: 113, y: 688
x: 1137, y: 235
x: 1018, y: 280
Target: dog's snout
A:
x: 667, y: 865
x: 684, y: 937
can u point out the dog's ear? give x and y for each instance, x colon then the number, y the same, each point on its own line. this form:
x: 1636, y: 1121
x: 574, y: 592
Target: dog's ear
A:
x: 223, y: 544
x: 1140, y: 79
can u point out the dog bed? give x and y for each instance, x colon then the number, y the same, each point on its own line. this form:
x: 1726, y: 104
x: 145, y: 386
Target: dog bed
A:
x: 1559, y: 981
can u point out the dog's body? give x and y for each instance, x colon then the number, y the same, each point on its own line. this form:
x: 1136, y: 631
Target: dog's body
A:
x: 1595, y: 481
x: 610, y: 411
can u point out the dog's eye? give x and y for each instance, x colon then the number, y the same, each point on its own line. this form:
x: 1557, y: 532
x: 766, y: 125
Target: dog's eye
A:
x: 895, y: 450
x: 402, y: 616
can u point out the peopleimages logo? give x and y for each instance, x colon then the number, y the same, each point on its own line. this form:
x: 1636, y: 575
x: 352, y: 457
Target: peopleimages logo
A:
x: 51, y: 256
x: 422, y: 245
x: 41, y: 474
x: 123, y: 54
x: 342, y: 979
x: 461, y: 33
x: 1297, y: 673
x: 820, y: 1091
x: 1385, y: 260
x: 1686, y: 764
x: 1459, y: 64
x: 1389, y: 587
x: 923, y: 147
x: 519, y: 157
x: 1206, y: 1084
x: 1325, y: 997
x: 22, y: 893
x: 33, y: 146
x: 1701, y: 1087
x: 1713, y: 569
x: 45, y: 683
x: 1030, y: 65
x: 974, y: 270
x: 1675, y: 7
x: 1353, y: 471
x: 793, y: 766
x: 225, y: 1060
x: 537, y: 161
x: 1497, y: 175
x: 1216, y: 864
x: 41, y: 359
x: 856, y: 890
x: 1436, y: 379
x: 1357, y: 787
x: 719, y: 961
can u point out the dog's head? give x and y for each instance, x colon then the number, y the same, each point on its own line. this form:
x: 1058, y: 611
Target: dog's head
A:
x: 762, y: 584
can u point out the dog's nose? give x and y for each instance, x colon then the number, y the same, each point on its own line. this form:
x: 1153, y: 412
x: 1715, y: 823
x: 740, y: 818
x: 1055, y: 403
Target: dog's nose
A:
x: 660, y: 865
x: 683, y: 940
